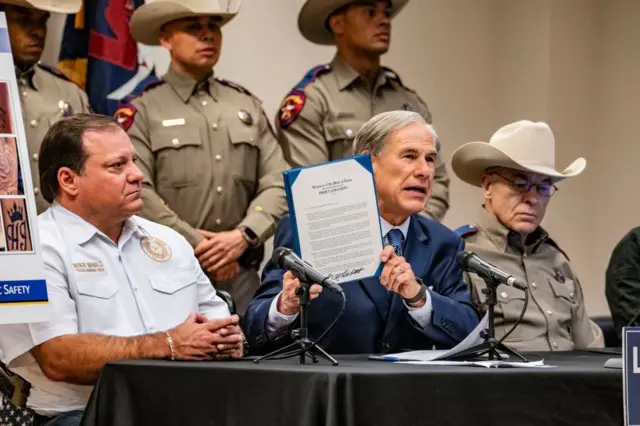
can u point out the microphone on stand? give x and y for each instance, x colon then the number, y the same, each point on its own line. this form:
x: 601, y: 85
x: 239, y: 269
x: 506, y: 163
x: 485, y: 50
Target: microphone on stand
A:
x: 286, y: 259
x: 471, y: 262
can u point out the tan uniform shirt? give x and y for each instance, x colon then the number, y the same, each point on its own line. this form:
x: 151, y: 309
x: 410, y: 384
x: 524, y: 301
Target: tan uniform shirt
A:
x: 209, y: 157
x: 556, y: 318
x: 329, y: 106
x: 46, y: 96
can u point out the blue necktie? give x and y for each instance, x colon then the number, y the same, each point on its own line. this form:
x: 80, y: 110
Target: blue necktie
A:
x: 396, y: 239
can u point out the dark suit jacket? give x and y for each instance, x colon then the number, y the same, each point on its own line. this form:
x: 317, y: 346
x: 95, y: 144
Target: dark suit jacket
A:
x: 372, y: 323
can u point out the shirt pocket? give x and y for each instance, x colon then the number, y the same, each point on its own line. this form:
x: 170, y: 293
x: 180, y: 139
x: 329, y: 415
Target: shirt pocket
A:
x: 244, y: 153
x: 180, y: 156
x: 172, y: 282
x: 97, y: 304
x: 177, y: 293
x: 340, y: 135
x: 510, y: 302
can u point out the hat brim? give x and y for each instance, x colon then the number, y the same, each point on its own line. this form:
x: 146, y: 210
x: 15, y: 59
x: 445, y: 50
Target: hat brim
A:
x: 147, y: 21
x: 314, y: 14
x: 56, y: 6
x: 471, y: 160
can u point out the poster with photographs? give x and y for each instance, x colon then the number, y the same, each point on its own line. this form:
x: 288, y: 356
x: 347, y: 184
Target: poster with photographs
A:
x: 23, y: 289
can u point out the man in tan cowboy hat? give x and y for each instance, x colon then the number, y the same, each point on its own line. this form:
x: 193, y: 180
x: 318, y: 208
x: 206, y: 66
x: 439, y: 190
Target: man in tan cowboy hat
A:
x: 516, y: 171
x: 45, y: 93
x: 211, y: 163
x: 321, y: 115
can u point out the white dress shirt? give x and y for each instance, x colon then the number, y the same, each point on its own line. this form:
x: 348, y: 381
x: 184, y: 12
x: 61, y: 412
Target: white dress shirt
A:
x: 277, y: 322
x: 149, y: 282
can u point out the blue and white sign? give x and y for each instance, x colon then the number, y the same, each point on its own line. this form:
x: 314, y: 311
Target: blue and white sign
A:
x: 23, y: 289
x: 631, y: 375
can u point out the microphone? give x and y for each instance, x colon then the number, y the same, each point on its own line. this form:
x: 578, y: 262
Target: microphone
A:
x: 470, y: 262
x: 286, y: 259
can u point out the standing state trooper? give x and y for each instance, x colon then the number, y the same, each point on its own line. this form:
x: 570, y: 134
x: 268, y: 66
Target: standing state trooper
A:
x: 45, y: 93
x: 211, y: 163
x: 320, y: 117
x: 516, y: 171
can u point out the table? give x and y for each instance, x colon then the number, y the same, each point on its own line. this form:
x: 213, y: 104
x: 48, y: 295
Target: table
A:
x: 579, y: 391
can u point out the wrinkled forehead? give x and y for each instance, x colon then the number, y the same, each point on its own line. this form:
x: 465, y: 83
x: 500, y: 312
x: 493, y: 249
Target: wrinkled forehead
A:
x: 519, y: 174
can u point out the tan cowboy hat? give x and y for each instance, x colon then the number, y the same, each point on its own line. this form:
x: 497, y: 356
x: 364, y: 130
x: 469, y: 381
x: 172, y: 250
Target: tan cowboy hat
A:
x: 523, y: 145
x: 312, y: 20
x: 58, y: 6
x: 147, y: 21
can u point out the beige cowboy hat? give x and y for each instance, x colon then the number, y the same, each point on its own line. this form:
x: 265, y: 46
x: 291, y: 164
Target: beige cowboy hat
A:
x: 312, y: 20
x: 147, y: 21
x: 57, y: 6
x: 523, y: 145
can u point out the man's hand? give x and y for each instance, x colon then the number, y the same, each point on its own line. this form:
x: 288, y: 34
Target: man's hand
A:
x: 397, y: 276
x: 198, y: 338
x: 288, y: 302
x: 230, y: 350
x: 227, y: 273
x: 219, y: 249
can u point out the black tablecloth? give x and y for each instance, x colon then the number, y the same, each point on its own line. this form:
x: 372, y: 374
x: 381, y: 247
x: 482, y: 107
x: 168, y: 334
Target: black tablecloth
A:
x: 578, y: 391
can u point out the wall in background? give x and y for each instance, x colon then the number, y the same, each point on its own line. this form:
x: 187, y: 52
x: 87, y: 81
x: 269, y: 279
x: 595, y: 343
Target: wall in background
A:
x: 480, y: 64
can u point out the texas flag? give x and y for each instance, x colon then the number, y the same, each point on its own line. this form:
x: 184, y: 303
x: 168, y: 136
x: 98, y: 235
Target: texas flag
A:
x: 99, y: 54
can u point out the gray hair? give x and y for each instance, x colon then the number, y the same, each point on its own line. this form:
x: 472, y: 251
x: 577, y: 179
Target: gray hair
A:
x: 373, y: 134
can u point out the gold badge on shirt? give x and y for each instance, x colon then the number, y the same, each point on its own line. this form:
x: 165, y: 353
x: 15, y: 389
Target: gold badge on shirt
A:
x: 156, y: 249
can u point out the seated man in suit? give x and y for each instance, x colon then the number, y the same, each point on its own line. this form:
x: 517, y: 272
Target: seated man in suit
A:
x: 119, y: 286
x: 516, y: 171
x: 420, y: 299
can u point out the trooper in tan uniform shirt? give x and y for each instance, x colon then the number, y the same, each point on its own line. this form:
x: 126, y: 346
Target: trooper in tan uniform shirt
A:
x: 212, y: 166
x: 517, y: 174
x: 320, y: 117
x: 46, y: 94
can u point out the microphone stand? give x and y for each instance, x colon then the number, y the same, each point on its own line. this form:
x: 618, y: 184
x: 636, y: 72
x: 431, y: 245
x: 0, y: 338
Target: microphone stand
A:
x: 490, y: 345
x: 301, y: 345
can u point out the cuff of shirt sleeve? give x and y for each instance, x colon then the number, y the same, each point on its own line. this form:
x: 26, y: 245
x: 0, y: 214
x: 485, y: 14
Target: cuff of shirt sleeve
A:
x: 422, y: 315
x: 191, y: 235
x: 277, y: 323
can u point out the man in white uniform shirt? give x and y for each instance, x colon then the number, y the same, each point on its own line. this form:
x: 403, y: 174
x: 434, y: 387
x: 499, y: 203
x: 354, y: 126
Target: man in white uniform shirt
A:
x: 120, y: 287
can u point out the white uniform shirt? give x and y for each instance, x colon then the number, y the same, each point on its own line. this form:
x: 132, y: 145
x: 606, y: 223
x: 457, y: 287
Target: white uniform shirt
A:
x: 149, y: 282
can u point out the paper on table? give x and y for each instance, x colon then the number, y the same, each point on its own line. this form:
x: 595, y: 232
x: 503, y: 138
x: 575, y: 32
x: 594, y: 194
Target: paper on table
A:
x: 474, y: 338
x: 487, y: 364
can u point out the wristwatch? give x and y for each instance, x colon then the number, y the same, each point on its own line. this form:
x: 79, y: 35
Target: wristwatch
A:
x: 421, y: 292
x: 249, y: 235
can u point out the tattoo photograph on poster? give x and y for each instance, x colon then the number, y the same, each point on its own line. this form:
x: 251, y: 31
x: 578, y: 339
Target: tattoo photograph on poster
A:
x: 9, y: 170
x: 6, y: 122
x: 16, y: 225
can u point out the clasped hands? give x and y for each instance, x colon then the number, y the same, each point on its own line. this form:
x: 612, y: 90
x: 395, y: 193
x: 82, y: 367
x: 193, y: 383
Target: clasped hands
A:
x: 396, y: 276
x: 201, y: 339
x: 218, y: 253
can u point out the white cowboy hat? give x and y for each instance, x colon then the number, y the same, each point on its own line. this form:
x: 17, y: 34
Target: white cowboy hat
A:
x: 312, y: 20
x: 523, y: 145
x: 58, y: 6
x: 147, y: 21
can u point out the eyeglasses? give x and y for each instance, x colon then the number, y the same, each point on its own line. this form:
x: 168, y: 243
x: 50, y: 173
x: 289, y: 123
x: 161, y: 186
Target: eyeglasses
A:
x: 545, y: 189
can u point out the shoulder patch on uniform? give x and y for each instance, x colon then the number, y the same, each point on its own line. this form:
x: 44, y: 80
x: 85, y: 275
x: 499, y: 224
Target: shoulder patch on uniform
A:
x: 466, y: 230
x: 53, y: 70
x: 124, y: 115
x: 550, y: 240
x: 293, y: 103
x: 237, y: 87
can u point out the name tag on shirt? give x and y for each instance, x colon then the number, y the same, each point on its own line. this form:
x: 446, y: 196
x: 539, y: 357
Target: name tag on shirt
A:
x: 174, y: 122
x: 90, y: 266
